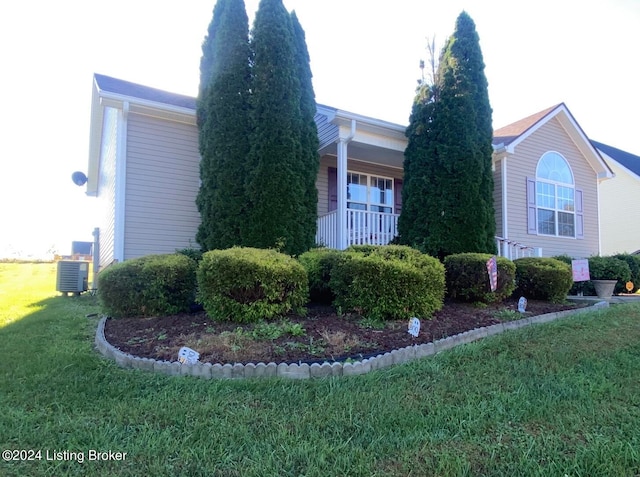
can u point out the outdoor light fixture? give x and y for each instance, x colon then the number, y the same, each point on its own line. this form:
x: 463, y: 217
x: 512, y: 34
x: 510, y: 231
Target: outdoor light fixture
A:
x: 79, y: 178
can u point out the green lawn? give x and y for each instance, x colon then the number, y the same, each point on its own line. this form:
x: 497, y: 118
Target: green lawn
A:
x: 550, y: 400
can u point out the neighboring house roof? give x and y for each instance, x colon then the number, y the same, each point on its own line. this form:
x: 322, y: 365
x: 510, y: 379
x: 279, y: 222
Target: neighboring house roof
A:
x: 626, y: 159
x: 507, y: 138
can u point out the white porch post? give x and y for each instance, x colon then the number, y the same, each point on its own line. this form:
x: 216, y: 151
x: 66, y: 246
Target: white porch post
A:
x: 341, y: 232
x: 341, y: 236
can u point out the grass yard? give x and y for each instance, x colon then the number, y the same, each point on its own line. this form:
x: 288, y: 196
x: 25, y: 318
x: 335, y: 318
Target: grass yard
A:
x: 550, y: 400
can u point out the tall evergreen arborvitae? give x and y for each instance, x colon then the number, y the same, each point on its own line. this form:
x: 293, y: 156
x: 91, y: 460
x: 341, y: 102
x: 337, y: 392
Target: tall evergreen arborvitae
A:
x: 224, y: 126
x: 449, y: 199
x: 414, y: 221
x: 277, y: 216
x: 309, y: 158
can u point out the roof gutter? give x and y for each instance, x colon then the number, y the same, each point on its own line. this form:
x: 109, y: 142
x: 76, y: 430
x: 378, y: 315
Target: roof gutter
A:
x: 108, y: 98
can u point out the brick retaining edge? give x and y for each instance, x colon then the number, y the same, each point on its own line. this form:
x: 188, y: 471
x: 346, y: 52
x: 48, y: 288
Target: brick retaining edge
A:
x: 316, y: 370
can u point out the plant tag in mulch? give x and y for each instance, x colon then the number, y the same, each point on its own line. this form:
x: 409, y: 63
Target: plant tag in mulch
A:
x: 522, y: 304
x: 414, y: 327
x: 188, y: 356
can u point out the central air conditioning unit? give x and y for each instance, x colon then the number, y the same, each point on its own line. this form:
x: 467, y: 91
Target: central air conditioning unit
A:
x: 73, y: 276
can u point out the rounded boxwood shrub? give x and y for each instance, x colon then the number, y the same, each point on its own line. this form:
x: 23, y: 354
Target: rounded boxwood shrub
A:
x: 148, y: 286
x: 318, y: 263
x: 634, y: 266
x: 468, y: 281
x: 543, y: 278
x: 609, y: 268
x: 376, y: 283
x: 602, y: 268
x: 249, y: 284
x: 401, y: 252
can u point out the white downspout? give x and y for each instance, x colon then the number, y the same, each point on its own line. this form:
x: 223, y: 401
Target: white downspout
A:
x: 121, y: 183
x: 96, y: 258
x: 598, y: 185
x: 505, y: 208
x: 341, y: 235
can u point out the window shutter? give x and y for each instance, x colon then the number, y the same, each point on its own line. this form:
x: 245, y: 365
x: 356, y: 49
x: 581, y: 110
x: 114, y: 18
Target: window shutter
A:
x: 579, y: 215
x: 333, y: 188
x: 532, y: 226
x: 397, y: 191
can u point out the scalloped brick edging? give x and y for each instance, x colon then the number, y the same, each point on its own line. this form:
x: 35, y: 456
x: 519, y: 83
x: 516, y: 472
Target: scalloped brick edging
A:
x: 316, y: 370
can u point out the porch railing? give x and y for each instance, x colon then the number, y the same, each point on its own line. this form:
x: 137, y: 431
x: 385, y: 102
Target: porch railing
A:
x: 512, y: 249
x: 377, y: 228
x: 327, y: 230
x: 363, y: 227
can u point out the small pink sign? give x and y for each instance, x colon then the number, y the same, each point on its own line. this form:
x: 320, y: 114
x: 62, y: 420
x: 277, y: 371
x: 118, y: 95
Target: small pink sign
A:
x: 580, y: 270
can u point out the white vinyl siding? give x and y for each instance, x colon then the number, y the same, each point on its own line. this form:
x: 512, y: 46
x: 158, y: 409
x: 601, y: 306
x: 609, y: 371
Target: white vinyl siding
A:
x: 497, y: 196
x: 522, y: 164
x: 107, y: 186
x: 162, y: 184
x: 620, y: 211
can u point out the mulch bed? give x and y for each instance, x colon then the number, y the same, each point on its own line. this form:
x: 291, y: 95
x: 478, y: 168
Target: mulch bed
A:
x: 327, y: 335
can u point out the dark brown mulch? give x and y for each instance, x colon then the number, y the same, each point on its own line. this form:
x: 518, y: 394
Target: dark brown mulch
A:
x: 327, y: 336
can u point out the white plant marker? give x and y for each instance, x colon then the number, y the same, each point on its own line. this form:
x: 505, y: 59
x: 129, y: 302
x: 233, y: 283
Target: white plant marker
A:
x: 522, y: 304
x: 188, y: 356
x: 414, y: 327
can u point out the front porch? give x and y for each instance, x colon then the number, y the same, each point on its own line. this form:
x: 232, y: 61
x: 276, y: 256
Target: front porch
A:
x: 377, y: 228
x: 360, y: 183
x: 362, y: 227
x: 360, y: 179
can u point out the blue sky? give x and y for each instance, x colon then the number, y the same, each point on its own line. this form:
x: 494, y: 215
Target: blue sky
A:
x: 364, y: 56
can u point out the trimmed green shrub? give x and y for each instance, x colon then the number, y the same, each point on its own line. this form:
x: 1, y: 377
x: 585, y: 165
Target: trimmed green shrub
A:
x: 318, y: 263
x: 609, y: 268
x: 468, y: 280
x: 249, y: 284
x: 364, y: 249
x: 603, y: 268
x: 148, y: 286
x: 634, y: 266
x: 193, y: 253
x: 379, y: 285
x: 401, y: 252
x: 543, y: 278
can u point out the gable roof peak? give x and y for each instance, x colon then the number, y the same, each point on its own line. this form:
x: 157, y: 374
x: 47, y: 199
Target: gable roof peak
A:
x: 509, y: 133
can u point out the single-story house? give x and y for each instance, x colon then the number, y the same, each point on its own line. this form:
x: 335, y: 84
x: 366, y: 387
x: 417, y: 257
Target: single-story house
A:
x: 144, y: 172
x: 620, y: 202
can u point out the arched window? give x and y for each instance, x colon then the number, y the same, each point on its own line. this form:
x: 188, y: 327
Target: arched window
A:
x: 558, y: 205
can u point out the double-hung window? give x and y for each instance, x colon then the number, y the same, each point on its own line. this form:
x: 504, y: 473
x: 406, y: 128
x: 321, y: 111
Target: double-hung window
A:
x: 555, y: 205
x: 371, y: 193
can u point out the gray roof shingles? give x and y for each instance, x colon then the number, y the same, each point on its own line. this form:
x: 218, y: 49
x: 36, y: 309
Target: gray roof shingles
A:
x: 503, y: 135
x: 628, y: 160
x: 134, y: 90
x: 126, y: 88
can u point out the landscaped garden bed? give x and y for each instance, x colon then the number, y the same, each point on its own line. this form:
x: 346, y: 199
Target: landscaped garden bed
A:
x: 321, y: 335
